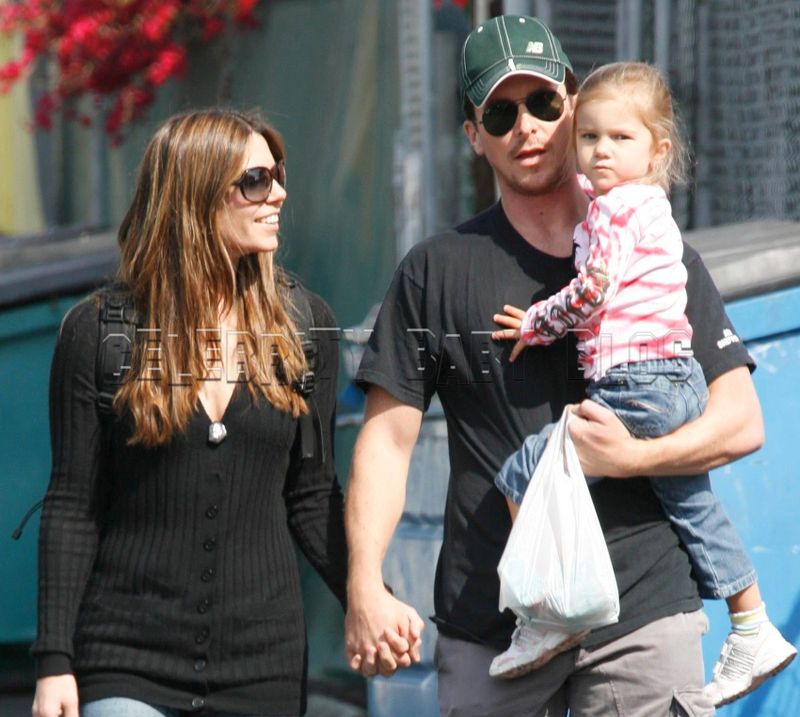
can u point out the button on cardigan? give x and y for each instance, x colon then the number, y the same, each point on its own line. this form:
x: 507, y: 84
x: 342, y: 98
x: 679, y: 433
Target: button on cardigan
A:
x: 169, y: 574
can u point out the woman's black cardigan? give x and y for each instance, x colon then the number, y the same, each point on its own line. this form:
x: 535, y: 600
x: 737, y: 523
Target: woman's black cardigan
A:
x: 168, y: 575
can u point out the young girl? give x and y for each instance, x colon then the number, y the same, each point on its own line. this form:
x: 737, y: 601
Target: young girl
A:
x: 627, y: 305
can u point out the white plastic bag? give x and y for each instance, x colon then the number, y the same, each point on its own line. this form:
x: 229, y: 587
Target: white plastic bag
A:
x: 555, y: 568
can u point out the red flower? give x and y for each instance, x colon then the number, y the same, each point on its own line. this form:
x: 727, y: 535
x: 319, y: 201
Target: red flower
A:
x: 114, y: 117
x: 170, y: 61
x: 9, y: 73
x: 43, y: 113
x: 122, y: 49
x: 156, y: 26
x: 212, y: 27
x: 244, y: 10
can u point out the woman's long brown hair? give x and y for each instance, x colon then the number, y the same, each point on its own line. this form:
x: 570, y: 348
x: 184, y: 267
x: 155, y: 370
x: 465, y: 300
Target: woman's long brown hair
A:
x: 180, y: 273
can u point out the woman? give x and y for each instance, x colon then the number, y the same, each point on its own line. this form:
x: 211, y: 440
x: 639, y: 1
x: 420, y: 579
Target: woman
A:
x: 168, y: 582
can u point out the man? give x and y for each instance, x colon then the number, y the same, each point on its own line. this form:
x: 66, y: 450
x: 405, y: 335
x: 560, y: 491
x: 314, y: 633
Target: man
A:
x: 432, y: 336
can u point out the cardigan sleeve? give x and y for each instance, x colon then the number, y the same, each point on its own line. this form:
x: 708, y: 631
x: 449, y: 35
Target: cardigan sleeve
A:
x: 313, y: 494
x: 68, y: 533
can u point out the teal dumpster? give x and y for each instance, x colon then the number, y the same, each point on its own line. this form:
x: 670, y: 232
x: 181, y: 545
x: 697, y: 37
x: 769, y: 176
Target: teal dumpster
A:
x: 757, y: 268
x: 40, y: 278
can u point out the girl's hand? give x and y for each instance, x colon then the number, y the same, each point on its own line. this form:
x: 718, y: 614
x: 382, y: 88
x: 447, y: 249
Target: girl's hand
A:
x: 56, y: 696
x: 512, y: 320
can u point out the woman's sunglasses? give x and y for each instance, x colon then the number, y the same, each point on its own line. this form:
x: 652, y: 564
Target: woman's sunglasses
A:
x: 255, y: 184
x: 499, y: 117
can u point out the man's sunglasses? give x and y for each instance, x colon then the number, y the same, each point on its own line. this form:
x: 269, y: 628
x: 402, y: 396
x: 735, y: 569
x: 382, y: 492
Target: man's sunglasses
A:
x: 255, y: 184
x: 499, y: 117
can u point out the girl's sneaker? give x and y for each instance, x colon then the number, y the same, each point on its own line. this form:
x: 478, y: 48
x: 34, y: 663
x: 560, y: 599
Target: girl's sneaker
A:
x: 532, y: 646
x: 746, y: 661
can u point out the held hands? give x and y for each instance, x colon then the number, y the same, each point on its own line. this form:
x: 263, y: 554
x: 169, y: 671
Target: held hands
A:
x: 56, y: 696
x: 512, y: 320
x: 381, y: 633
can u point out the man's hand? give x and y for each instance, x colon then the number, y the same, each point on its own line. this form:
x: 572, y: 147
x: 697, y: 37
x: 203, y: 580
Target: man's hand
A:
x: 55, y: 696
x: 604, y: 445
x: 730, y: 427
x: 512, y: 320
x: 382, y: 633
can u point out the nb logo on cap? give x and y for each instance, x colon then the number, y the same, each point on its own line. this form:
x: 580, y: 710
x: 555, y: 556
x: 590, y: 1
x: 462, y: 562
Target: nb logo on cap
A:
x: 534, y: 48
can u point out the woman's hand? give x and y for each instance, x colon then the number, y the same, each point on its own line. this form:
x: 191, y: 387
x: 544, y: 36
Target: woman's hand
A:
x: 512, y: 320
x: 56, y: 696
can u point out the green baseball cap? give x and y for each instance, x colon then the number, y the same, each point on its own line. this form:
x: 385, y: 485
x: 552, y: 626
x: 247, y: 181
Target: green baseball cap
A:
x: 509, y: 45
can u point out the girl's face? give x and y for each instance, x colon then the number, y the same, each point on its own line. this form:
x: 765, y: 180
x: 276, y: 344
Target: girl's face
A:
x: 250, y: 227
x: 613, y: 145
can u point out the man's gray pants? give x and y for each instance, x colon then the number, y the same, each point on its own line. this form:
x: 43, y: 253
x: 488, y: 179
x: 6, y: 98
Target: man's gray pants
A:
x: 654, y: 671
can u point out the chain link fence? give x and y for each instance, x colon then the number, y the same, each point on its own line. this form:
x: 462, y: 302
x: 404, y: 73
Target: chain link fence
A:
x: 733, y: 70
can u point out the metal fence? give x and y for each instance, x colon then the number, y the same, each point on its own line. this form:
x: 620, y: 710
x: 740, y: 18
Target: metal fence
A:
x: 732, y: 66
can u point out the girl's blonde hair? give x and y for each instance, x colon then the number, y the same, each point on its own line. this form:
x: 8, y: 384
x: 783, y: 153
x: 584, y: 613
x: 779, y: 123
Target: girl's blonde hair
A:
x: 645, y: 87
x: 179, y: 270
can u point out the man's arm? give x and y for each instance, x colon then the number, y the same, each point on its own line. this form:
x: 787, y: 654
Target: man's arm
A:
x: 382, y: 633
x: 730, y: 427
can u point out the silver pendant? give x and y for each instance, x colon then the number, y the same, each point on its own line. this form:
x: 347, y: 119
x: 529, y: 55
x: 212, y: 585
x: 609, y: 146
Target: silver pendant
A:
x: 217, y: 432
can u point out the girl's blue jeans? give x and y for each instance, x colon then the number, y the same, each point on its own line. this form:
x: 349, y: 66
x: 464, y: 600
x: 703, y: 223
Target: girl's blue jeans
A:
x: 653, y: 398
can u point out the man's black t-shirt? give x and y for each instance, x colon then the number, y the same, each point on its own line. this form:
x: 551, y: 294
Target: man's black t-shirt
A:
x: 433, y: 335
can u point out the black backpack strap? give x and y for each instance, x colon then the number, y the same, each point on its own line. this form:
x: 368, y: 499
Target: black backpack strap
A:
x: 117, y: 326
x: 304, y: 320
x: 303, y: 317
x: 117, y: 330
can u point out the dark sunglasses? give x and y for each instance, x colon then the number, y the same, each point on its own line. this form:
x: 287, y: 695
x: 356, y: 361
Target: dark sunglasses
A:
x: 255, y: 184
x: 499, y: 117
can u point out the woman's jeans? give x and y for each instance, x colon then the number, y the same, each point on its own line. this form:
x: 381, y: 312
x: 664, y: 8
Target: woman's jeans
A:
x: 653, y: 398
x: 125, y: 707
